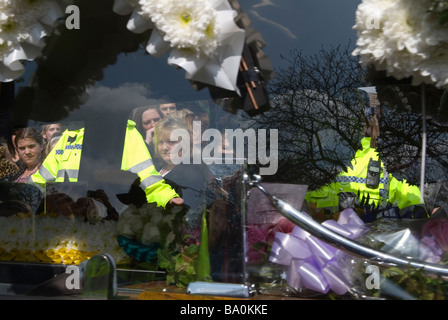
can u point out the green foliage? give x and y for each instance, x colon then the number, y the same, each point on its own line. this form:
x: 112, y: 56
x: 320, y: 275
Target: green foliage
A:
x: 419, y: 284
x: 180, y: 267
x: 203, y: 264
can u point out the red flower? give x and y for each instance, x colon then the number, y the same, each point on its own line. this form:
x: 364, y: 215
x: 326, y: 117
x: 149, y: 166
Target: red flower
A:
x: 261, y: 236
x: 257, y: 233
x: 283, y: 225
x: 439, y: 229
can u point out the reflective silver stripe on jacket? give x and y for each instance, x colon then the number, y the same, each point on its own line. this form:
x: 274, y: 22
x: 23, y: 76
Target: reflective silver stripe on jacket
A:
x: 141, y: 166
x: 150, y: 181
x: 46, y: 174
x: 70, y: 173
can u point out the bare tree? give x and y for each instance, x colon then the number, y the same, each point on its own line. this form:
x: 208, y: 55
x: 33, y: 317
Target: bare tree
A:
x: 321, y: 115
x: 402, y: 131
x: 319, y: 112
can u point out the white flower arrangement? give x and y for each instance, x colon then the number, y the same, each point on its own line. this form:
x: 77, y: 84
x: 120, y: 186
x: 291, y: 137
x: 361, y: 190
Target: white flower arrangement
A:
x: 201, y: 36
x: 187, y: 25
x: 23, y: 26
x: 60, y: 239
x: 403, y: 38
x: 148, y: 225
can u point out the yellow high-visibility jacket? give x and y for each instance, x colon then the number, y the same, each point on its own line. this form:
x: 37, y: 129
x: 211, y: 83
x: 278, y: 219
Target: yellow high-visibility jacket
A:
x: 390, y: 190
x: 137, y: 159
x: 64, y: 160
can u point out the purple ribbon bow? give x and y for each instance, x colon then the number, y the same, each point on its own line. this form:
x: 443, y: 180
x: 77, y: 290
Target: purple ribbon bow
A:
x: 313, y: 264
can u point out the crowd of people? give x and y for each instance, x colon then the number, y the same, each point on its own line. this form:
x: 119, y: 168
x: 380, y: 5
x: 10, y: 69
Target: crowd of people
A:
x: 27, y: 149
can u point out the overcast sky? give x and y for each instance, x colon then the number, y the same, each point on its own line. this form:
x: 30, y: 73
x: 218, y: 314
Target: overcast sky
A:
x: 302, y: 24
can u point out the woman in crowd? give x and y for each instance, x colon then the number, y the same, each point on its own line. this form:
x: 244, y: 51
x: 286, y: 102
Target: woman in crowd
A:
x: 145, y: 119
x: 31, y: 149
x: 164, y: 144
x: 148, y: 120
x: 193, y: 182
x: 48, y: 132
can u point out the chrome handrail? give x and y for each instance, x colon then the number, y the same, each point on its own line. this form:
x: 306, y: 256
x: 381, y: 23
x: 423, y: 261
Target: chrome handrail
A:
x: 338, y: 241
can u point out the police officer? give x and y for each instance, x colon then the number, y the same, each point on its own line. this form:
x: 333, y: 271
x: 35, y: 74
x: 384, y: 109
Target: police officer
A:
x: 64, y: 160
x: 368, y: 181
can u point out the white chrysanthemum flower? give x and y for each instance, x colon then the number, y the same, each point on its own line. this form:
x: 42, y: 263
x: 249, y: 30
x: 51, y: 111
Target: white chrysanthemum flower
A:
x: 130, y: 223
x: 201, y: 36
x: 23, y: 25
x: 30, y: 10
x: 185, y: 24
x: 156, y: 217
x: 12, y: 30
x: 168, y: 219
x: 13, y: 233
x: 402, y: 38
x: 15, y: 22
x: 150, y: 235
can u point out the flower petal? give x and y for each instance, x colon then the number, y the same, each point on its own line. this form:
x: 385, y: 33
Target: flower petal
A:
x: 157, y: 47
x: 138, y: 24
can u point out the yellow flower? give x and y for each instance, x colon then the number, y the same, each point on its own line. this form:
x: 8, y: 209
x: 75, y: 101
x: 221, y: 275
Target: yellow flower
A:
x: 40, y: 254
x: 67, y: 259
x: 8, y: 255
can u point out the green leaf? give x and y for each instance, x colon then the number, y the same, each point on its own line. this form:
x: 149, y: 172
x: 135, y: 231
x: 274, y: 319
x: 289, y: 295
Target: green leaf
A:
x: 170, y: 279
x: 148, y: 266
x: 192, y: 249
x: 164, y: 259
x: 203, y: 267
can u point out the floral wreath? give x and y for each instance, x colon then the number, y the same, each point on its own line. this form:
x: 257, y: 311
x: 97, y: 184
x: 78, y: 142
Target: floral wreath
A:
x: 201, y: 35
